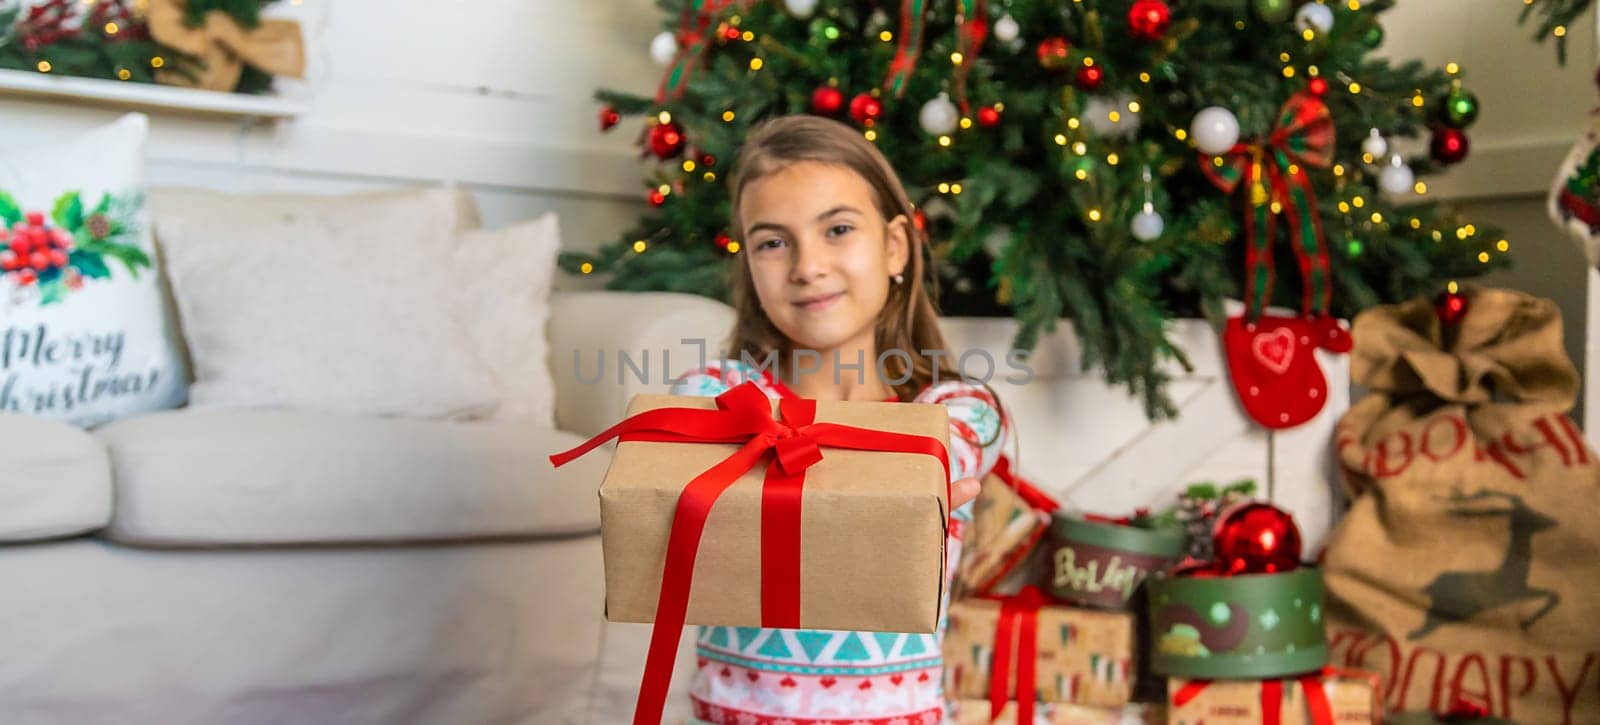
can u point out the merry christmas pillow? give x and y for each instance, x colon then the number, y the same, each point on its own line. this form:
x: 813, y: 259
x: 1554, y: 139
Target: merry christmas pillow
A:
x: 84, y: 336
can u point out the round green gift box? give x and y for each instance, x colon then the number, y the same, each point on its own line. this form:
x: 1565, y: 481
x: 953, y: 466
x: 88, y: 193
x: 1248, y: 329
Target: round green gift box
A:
x: 1248, y: 626
x: 1097, y: 564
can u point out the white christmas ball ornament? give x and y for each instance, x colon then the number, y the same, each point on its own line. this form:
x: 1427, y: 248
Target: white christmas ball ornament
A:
x: 1397, y: 178
x: 1111, y: 116
x: 1215, y: 130
x: 663, y: 48
x: 801, y: 8
x: 1147, y: 225
x: 1315, y: 17
x: 939, y: 116
x: 1006, y: 29
x: 1375, y: 145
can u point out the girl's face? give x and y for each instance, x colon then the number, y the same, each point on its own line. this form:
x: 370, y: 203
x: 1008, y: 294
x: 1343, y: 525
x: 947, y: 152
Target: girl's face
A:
x: 821, y: 254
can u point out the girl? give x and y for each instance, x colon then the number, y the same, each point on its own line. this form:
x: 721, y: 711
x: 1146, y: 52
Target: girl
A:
x: 831, y: 305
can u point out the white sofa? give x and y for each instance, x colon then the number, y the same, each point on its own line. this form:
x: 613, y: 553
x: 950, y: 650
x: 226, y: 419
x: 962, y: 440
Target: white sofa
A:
x: 293, y: 567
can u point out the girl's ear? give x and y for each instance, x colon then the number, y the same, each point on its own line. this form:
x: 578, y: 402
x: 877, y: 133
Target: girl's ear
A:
x: 899, y: 244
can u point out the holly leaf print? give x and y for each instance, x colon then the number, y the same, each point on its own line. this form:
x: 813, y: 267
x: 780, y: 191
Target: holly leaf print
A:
x: 10, y: 213
x: 103, y: 206
x: 52, y: 292
x: 68, y: 213
x: 88, y: 265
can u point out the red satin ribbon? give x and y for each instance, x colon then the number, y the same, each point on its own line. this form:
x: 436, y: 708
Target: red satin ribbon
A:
x: 1029, y: 493
x: 743, y: 415
x: 1272, y: 697
x: 1019, y: 621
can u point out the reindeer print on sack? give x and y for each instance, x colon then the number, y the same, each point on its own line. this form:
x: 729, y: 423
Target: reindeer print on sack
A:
x: 1458, y: 596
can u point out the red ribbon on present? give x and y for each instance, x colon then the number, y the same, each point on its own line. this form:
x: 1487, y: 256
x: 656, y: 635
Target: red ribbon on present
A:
x: 1030, y: 494
x: 1272, y: 697
x: 972, y: 27
x: 1019, y: 620
x: 743, y: 415
x: 908, y: 47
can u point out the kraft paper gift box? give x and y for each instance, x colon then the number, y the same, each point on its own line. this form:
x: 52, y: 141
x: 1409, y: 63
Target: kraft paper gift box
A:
x: 976, y: 712
x: 1351, y: 697
x: 1084, y: 657
x: 1009, y: 519
x: 870, y: 539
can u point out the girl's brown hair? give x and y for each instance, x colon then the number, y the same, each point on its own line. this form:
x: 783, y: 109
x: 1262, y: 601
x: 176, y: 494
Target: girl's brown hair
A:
x: 909, y: 320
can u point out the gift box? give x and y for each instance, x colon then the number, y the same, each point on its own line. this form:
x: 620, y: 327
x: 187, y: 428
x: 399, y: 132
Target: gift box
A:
x: 1076, y: 656
x: 1322, y: 698
x: 1009, y: 519
x: 1242, y: 626
x: 976, y: 712
x: 849, y: 502
x: 1101, y: 563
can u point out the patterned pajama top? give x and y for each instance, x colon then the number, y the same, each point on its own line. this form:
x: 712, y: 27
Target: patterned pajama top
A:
x: 755, y: 676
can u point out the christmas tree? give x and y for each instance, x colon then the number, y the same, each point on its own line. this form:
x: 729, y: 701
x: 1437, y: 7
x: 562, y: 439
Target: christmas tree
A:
x: 1103, y: 161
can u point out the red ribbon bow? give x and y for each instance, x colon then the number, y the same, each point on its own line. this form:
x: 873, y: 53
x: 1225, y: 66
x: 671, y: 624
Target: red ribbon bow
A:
x: 1019, y: 621
x: 743, y: 415
x: 1272, y: 697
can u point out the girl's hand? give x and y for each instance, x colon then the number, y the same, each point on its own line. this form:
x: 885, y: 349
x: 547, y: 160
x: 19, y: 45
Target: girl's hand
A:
x: 963, y: 491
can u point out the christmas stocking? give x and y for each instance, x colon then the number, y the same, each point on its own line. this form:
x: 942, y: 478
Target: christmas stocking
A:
x: 1270, y: 357
x: 1273, y: 367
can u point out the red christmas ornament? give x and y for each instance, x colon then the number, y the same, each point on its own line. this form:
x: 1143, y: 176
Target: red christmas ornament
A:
x: 708, y: 160
x: 1451, y: 307
x: 723, y: 241
x: 826, y: 101
x: 1053, y: 53
x: 1089, y: 77
x: 608, y: 117
x: 666, y: 140
x: 920, y: 221
x: 656, y: 198
x: 1318, y: 87
x: 865, y: 109
x: 1449, y: 145
x: 1257, y: 538
x: 988, y: 117
x: 731, y: 33
x: 1148, y: 19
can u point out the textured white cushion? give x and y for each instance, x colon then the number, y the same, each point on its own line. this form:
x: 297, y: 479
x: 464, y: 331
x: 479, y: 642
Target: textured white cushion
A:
x: 84, y: 336
x: 56, y: 480
x: 503, y: 290
x: 193, y: 477
x: 334, y: 308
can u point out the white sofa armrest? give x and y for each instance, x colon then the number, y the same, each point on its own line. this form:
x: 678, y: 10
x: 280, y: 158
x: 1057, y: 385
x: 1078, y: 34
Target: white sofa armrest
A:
x: 591, y: 332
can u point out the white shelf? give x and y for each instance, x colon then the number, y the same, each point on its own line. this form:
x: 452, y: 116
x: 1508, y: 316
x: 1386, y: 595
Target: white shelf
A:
x: 146, y: 95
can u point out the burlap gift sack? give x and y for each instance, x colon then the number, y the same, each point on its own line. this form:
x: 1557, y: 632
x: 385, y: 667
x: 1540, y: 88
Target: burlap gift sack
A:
x: 1467, y: 571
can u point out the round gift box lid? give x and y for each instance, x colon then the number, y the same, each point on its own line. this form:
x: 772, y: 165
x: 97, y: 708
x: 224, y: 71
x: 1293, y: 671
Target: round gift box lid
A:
x: 1152, y: 542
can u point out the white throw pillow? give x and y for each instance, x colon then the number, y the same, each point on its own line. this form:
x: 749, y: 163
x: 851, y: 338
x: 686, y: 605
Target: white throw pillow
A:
x: 344, y: 308
x: 503, y: 279
x: 84, y: 336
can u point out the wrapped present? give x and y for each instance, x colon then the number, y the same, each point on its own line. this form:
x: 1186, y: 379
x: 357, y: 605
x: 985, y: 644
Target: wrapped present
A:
x: 699, y: 524
x: 976, y: 712
x: 1320, y: 698
x: 1009, y: 518
x: 1058, y: 654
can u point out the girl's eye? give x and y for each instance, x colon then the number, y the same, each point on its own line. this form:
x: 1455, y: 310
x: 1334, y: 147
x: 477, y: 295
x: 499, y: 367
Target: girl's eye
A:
x: 772, y: 243
x: 840, y: 229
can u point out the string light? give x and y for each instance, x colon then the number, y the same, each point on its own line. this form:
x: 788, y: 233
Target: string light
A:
x: 1420, y: 187
x: 1061, y: 140
x: 1452, y: 68
x: 944, y: 187
x: 710, y: 176
x: 124, y: 74
x: 638, y: 246
x: 1354, y: 5
x: 1416, y: 223
x: 955, y: 188
x: 1452, y: 288
x: 1114, y: 117
x: 1276, y: 207
x: 1438, y: 236
x: 586, y: 268
x: 966, y: 122
x: 1483, y: 257
x: 1180, y: 134
x: 1081, y: 174
x: 111, y: 28
x: 1094, y: 214
x: 733, y: 247
x: 1416, y: 100
x: 944, y: 141
x: 1088, y: 62
x: 870, y: 134
x: 1366, y: 158
x: 956, y: 58
x: 1283, y: 57
x: 1358, y: 201
x: 748, y: 36
x: 1134, y: 107
x: 44, y: 66
x: 1560, y: 31
x: 1288, y: 71
x: 1503, y: 245
x: 157, y: 62
x: 1111, y: 159
x: 1308, y: 34
x: 885, y: 36
x: 1344, y: 207
x: 1080, y: 148
x: 1338, y: 169
x: 1471, y: 230
x: 1073, y: 123
x: 727, y: 116
x: 1144, y: 77
x: 665, y: 189
x: 1355, y: 87
x: 664, y: 118
x: 1377, y: 218
x: 755, y: 64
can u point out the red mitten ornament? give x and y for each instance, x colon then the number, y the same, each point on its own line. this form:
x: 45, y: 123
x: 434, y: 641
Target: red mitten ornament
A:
x: 1274, y: 369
